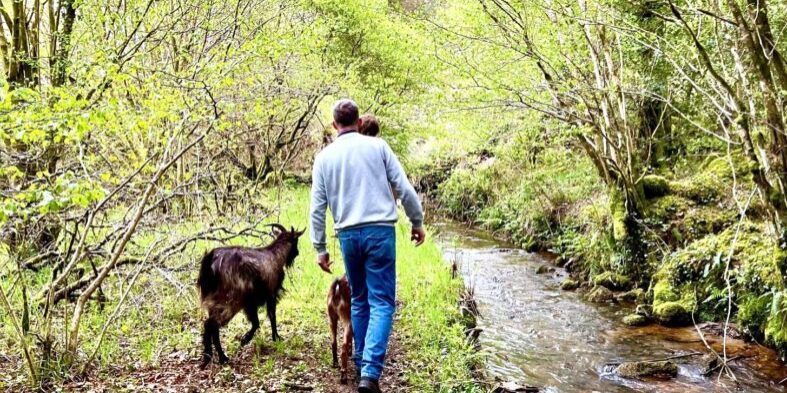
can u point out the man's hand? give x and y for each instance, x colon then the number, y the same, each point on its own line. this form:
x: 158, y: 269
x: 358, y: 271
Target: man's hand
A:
x: 325, y: 263
x: 418, y: 235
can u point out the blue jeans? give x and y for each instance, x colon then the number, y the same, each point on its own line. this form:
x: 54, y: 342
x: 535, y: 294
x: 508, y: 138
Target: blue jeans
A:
x: 370, y: 261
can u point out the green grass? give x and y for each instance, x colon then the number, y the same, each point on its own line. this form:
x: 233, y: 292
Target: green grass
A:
x: 162, y: 315
x: 428, y: 321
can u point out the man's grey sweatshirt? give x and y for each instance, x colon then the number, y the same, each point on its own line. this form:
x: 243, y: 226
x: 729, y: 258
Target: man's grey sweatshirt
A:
x: 354, y: 176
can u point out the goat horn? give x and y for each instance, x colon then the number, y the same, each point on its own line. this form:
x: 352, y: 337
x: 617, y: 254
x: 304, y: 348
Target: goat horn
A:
x: 280, y: 227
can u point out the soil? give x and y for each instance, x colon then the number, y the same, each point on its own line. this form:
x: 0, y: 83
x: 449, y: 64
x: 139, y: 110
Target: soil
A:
x: 302, y: 372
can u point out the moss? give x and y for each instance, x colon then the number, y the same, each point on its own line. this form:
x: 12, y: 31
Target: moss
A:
x: 635, y: 320
x: 654, y: 186
x: 633, y: 296
x: 712, y: 182
x: 600, y: 295
x: 619, y: 216
x: 672, y: 313
x: 679, y: 220
x: 612, y: 280
x: 776, y: 327
x: 667, y: 208
x: 569, y: 284
x: 693, y: 278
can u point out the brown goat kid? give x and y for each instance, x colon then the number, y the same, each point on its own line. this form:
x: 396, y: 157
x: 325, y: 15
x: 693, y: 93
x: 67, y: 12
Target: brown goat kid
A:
x: 339, y: 310
x: 232, y: 279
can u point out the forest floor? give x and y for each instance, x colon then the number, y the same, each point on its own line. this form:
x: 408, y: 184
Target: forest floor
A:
x: 154, y: 344
x: 290, y: 372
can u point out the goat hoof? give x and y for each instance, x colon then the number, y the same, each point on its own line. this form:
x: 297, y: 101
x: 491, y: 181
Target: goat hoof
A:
x: 335, y: 365
x: 204, y: 363
x: 343, y: 379
x: 224, y: 360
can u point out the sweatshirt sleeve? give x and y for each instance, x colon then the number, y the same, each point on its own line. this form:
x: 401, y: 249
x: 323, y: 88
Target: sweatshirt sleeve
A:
x: 318, y: 205
x: 403, y: 188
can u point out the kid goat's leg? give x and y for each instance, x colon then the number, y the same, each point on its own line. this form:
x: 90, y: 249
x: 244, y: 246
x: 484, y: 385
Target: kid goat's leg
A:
x: 334, y: 320
x: 251, y: 315
x: 347, y: 344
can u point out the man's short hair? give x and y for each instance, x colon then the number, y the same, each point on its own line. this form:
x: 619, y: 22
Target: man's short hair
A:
x: 345, y: 112
x: 369, y: 125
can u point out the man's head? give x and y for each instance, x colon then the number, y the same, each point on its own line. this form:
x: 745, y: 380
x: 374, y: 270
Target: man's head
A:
x: 345, y: 115
x: 369, y: 125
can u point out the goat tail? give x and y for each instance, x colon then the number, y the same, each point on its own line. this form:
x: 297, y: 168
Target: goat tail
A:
x: 335, y: 293
x: 207, y: 280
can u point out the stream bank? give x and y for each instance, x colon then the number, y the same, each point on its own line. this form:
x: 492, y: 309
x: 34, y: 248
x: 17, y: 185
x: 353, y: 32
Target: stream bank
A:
x: 536, y: 333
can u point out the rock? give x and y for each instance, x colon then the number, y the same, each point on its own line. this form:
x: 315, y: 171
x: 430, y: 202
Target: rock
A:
x: 600, y: 295
x: 646, y: 310
x: 544, y: 269
x: 662, y: 369
x: 569, y: 284
x: 632, y: 296
x: 570, y: 265
x: 671, y: 313
x: 717, y: 329
x: 708, y: 363
x: 513, y: 387
x: 612, y: 281
x: 635, y: 320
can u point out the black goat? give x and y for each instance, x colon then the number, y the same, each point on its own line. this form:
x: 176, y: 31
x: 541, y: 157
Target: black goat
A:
x: 242, y: 278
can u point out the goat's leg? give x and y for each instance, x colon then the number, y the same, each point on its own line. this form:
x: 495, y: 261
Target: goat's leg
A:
x: 207, y: 341
x: 347, y: 344
x: 254, y: 319
x: 223, y: 359
x: 272, y: 317
x: 334, y: 320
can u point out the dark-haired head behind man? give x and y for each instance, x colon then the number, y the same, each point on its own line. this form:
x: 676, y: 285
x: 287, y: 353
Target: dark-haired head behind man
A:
x: 353, y: 176
x: 369, y: 125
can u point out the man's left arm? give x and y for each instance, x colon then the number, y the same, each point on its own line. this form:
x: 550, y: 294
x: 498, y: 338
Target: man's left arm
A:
x: 404, y: 189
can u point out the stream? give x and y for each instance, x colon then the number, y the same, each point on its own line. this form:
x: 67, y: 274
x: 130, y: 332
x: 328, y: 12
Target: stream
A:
x: 536, y: 334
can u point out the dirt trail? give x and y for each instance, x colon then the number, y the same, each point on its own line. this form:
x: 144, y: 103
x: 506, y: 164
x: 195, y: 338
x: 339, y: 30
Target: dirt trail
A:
x: 302, y: 372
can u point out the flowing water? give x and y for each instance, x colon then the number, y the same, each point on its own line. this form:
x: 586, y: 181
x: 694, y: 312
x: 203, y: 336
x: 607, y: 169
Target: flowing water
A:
x: 536, y: 334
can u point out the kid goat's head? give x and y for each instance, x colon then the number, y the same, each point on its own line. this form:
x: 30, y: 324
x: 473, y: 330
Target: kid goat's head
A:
x: 285, y: 237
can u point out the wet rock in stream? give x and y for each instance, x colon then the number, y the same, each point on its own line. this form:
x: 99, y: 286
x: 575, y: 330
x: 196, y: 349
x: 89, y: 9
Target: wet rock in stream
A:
x: 544, y: 269
x: 513, y: 387
x: 614, y: 281
x: 717, y: 329
x: 658, y: 369
x: 633, y: 296
x: 569, y: 284
x: 635, y: 320
x: 600, y: 295
x: 644, y: 310
x: 671, y: 314
x: 708, y: 363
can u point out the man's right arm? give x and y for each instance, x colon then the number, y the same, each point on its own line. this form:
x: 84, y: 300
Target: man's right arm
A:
x: 319, y: 202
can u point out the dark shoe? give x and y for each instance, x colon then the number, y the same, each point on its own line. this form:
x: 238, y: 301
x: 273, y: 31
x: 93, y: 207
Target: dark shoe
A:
x: 368, y: 385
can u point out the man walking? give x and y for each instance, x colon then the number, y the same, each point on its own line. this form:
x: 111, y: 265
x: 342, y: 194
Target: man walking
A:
x: 353, y: 176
